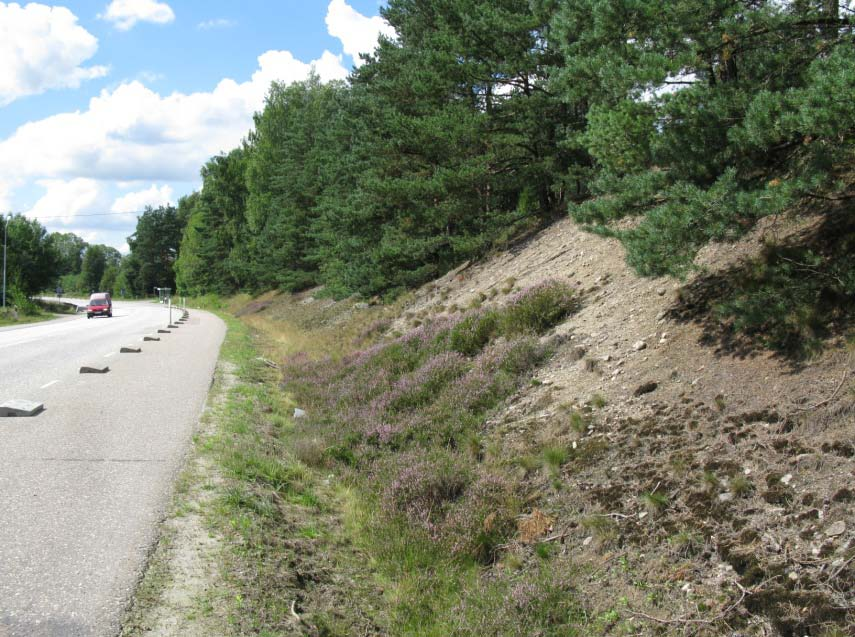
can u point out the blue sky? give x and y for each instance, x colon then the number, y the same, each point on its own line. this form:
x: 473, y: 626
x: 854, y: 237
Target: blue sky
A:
x: 110, y: 105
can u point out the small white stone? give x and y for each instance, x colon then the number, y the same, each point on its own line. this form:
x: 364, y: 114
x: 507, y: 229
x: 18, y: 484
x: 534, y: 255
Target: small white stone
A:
x: 587, y: 540
x: 639, y: 346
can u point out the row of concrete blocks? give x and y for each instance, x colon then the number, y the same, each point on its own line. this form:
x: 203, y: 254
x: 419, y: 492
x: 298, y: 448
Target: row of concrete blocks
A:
x: 26, y: 408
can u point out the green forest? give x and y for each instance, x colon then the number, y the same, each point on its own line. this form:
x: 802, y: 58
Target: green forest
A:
x: 667, y: 125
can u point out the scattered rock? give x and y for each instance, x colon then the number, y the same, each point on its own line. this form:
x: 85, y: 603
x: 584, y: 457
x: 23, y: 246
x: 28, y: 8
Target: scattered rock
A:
x: 725, y: 497
x: 661, y: 291
x: 587, y: 540
x: 299, y: 413
x: 836, y: 529
x: 639, y: 346
x: 578, y: 353
x: 787, y: 478
x: 646, y: 388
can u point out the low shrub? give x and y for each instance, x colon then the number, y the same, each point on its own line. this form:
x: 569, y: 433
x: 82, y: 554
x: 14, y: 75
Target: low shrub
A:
x: 424, y: 488
x: 425, y: 383
x: 534, y: 603
x: 23, y: 303
x: 539, y: 308
x: 471, y: 334
x: 483, y: 519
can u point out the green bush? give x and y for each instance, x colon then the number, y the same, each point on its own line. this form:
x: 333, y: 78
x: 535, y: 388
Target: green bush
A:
x: 22, y: 303
x: 539, y: 308
x: 473, y: 333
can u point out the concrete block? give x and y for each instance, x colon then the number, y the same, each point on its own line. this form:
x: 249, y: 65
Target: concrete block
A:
x: 94, y: 370
x: 130, y: 349
x: 20, y: 409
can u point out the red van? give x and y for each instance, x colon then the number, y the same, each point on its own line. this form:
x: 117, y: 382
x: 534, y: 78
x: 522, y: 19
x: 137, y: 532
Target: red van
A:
x: 100, y: 304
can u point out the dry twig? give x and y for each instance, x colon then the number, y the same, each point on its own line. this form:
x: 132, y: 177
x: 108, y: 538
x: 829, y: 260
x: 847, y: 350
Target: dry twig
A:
x: 705, y: 622
x: 827, y: 400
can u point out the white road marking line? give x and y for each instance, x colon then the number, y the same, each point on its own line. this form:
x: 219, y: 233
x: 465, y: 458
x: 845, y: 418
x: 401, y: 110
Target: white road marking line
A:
x: 53, y: 382
x: 110, y: 354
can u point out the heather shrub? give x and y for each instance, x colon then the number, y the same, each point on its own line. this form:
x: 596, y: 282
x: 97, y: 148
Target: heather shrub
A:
x: 522, y: 355
x: 424, y: 488
x: 427, y: 382
x: 532, y: 603
x: 373, y: 330
x: 539, y: 308
x: 483, y: 519
x: 471, y: 334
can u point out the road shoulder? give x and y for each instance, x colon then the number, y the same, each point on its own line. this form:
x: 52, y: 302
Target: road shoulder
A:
x: 181, y: 593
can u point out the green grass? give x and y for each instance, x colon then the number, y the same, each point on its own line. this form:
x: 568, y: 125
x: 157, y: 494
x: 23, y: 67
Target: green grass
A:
x: 554, y: 458
x: 8, y: 318
x: 414, y: 555
x: 654, y: 502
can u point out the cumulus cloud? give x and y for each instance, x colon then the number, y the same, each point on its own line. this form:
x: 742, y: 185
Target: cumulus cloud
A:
x: 5, y: 197
x: 124, y: 14
x: 42, y: 48
x: 139, y: 200
x: 132, y: 133
x: 116, y: 154
x: 64, y: 200
x: 358, y: 33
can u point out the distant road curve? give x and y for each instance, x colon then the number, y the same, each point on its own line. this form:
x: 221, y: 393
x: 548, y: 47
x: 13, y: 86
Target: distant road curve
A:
x: 83, y: 485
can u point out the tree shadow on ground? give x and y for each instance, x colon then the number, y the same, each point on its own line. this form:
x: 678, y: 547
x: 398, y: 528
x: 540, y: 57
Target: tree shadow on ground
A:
x: 790, y: 300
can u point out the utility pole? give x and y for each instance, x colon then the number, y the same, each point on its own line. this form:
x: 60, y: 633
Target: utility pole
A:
x: 5, y: 235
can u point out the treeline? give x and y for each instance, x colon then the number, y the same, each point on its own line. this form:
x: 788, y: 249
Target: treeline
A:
x: 39, y: 261
x: 694, y: 117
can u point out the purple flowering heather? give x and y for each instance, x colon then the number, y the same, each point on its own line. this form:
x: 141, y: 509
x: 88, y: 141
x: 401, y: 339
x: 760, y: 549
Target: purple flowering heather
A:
x: 423, y: 489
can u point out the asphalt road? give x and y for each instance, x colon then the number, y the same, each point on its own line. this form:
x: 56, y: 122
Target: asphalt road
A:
x: 83, y: 485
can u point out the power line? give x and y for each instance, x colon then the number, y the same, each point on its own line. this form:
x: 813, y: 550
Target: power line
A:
x: 73, y: 216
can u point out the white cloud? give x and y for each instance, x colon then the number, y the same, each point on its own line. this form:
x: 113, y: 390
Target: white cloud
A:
x: 5, y: 197
x: 139, y: 200
x: 358, y: 33
x: 134, y: 134
x: 117, y: 153
x: 124, y: 14
x: 64, y: 200
x: 216, y: 23
x: 42, y: 48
